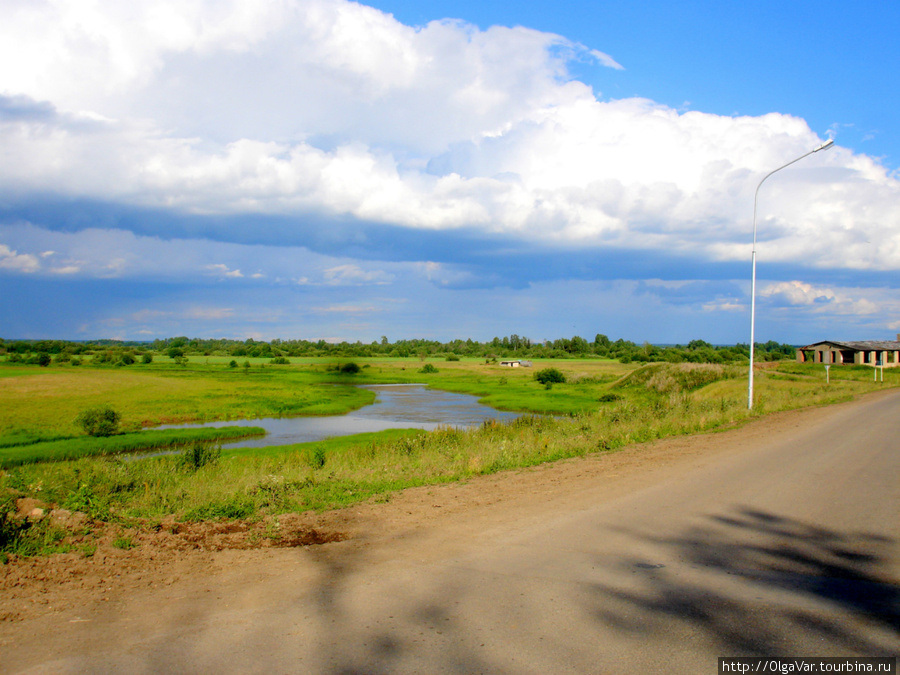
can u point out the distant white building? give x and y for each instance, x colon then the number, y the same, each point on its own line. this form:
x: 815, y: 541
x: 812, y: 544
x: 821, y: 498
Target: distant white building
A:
x: 518, y: 363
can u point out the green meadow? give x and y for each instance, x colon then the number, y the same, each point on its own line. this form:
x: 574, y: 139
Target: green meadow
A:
x: 601, y: 406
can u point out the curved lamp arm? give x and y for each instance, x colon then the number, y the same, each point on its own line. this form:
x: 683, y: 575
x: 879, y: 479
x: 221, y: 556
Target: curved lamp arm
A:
x: 827, y: 144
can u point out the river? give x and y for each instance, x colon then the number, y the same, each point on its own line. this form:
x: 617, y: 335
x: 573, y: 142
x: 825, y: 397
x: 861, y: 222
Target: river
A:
x: 396, y: 406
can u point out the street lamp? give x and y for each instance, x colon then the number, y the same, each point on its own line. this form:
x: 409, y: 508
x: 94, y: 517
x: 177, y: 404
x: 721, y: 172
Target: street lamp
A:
x: 827, y: 144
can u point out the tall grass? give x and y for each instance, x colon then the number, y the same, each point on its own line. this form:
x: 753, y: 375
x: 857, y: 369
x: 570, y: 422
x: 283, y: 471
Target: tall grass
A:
x: 84, y: 446
x: 653, y: 403
x: 330, y: 474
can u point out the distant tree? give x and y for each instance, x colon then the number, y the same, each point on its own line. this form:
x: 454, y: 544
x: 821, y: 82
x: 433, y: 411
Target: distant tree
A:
x: 549, y: 376
x: 147, y: 358
x: 99, y: 421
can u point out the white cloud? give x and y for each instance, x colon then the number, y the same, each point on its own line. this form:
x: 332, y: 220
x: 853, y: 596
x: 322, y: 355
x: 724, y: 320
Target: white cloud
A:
x: 218, y: 269
x: 329, y: 107
x: 353, y: 275
x: 16, y: 262
x: 834, y: 301
x: 606, y: 59
x: 799, y: 293
x: 724, y: 306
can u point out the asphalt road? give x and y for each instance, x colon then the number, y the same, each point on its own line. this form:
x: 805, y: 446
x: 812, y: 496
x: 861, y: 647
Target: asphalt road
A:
x: 783, y: 543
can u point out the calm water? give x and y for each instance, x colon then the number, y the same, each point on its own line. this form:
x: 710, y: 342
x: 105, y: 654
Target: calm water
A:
x: 397, y: 406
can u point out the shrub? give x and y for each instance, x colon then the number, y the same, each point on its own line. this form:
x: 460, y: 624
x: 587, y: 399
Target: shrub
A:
x: 147, y: 358
x: 350, y: 368
x: 280, y: 361
x: 316, y: 456
x: 549, y: 376
x: 99, y: 421
x: 197, y: 455
x: 428, y: 368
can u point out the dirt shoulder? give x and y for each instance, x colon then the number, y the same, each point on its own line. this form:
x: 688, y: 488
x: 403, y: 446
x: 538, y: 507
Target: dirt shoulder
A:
x: 187, y: 560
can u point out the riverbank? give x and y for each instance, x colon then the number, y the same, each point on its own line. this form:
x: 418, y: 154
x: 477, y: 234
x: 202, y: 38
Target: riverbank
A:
x: 258, y: 484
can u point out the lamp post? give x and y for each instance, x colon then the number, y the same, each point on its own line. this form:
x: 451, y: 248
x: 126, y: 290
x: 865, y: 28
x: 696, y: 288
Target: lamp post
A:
x: 827, y: 144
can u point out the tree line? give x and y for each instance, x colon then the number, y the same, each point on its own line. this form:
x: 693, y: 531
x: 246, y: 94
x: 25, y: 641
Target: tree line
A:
x: 44, y: 352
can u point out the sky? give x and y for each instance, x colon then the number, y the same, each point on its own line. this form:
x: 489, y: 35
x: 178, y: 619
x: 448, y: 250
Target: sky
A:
x: 323, y: 169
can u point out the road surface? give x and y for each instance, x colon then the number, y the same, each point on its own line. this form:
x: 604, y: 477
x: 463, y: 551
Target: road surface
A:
x: 780, y: 538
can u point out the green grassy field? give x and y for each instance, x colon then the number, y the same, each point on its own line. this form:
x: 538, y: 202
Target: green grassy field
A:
x: 602, y: 406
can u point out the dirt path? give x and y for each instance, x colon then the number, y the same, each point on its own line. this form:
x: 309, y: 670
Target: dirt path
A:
x: 56, y: 613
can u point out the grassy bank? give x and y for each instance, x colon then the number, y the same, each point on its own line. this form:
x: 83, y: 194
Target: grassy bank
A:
x: 45, y: 402
x: 145, y: 441
x: 602, y: 406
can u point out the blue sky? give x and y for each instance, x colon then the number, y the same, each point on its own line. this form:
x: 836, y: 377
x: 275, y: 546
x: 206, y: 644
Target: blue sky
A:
x: 321, y: 169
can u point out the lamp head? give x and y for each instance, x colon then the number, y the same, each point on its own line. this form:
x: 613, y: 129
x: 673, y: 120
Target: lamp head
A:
x: 827, y: 144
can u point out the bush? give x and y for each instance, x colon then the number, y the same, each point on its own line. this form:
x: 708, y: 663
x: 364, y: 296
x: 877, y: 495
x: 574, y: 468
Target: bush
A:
x: 99, y: 421
x: 147, y: 358
x: 350, y: 368
x: 280, y: 361
x: 199, y: 454
x: 549, y: 376
x: 316, y: 456
x: 428, y: 368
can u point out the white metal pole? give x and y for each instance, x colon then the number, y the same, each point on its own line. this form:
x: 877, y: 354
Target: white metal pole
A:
x: 826, y: 144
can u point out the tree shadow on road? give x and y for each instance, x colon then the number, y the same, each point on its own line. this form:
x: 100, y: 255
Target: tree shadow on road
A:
x: 757, y: 583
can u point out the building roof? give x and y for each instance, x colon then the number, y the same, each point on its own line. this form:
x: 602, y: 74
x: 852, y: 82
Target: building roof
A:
x: 860, y: 345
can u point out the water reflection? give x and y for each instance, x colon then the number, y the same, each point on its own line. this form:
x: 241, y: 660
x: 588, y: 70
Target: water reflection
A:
x: 396, y: 406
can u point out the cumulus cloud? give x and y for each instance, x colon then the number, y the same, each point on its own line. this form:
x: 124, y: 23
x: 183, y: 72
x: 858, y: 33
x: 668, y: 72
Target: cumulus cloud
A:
x: 328, y: 107
x: 14, y: 261
x: 799, y: 293
x: 840, y: 301
x: 323, y: 144
x: 220, y: 270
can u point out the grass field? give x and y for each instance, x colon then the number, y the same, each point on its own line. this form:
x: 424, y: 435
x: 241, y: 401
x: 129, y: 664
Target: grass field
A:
x: 603, y: 405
